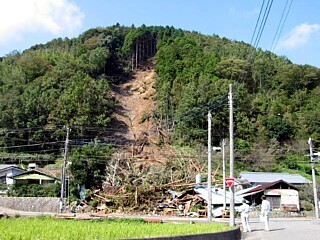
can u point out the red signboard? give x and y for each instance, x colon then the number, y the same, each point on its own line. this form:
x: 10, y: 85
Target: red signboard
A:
x: 230, y: 181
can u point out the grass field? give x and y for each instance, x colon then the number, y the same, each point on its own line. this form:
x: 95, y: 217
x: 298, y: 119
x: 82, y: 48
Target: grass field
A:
x: 51, y: 228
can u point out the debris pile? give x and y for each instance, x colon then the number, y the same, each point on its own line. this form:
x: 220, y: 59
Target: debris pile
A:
x: 168, y: 203
x: 186, y: 203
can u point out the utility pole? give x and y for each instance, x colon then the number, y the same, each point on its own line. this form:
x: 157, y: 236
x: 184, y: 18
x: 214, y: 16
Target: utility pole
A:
x: 224, y: 173
x: 209, y: 168
x: 316, y: 208
x: 232, y: 213
x: 63, y: 176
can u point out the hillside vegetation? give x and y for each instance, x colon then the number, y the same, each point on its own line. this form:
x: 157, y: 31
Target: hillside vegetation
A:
x: 74, y: 82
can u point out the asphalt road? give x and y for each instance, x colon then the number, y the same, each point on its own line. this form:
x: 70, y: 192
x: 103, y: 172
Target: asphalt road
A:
x: 283, y: 229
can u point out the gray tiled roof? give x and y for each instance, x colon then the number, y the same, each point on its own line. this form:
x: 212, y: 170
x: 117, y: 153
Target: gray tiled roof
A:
x: 3, y: 166
x: 266, y: 177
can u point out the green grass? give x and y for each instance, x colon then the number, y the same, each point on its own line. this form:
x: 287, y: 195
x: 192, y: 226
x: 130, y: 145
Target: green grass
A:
x: 37, y: 228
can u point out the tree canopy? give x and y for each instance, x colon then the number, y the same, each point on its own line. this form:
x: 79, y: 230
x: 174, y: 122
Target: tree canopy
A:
x: 67, y: 82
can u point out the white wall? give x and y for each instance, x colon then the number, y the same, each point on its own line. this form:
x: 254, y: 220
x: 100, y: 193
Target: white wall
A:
x: 288, y: 196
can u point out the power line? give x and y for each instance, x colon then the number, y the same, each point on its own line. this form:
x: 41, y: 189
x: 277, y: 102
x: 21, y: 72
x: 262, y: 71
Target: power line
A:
x: 256, y: 36
x: 279, y: 24
x: 255, y: 28
x: 112, y: 141
x: 237, y: 151
x: 188, y: 116
x: 51, y: 150
x: 30, y: 145
x: 31, y: 129
x: 278, y: 34
x: 201, y: 110
x: 263, y: 23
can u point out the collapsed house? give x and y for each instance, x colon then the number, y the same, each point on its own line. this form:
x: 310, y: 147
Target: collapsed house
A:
x: 194, y: 202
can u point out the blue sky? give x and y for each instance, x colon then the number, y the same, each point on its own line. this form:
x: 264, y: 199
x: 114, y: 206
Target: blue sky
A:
x: 25, y: 23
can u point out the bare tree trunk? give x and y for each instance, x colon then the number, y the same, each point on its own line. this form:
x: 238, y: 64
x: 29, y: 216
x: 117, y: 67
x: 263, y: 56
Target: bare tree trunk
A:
x: 136, y: 196
x: 132, y: 61
x: 137, y: 51
x: 115, y: 170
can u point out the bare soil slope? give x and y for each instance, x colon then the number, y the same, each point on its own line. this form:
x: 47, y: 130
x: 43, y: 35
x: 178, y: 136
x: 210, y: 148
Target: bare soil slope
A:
x: 133, y: 121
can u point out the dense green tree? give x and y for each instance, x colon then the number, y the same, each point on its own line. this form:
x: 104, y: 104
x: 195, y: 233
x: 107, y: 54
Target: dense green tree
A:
x: 83, y: 102
x: 278, y: 128
x: 33, y: 64
x: 67, y: 81
x: 88, y: 164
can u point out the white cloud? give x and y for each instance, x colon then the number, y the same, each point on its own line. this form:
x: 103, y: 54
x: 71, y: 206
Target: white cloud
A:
x: 55, y: 17
x: 300, y: 35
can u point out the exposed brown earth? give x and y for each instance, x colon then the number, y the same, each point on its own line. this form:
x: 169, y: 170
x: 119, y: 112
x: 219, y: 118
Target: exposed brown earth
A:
x: 135, y: 128
x: 135, y: 97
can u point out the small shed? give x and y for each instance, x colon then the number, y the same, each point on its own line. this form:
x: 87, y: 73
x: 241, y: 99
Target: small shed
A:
x: 34, y: 177
x: 282, y: 195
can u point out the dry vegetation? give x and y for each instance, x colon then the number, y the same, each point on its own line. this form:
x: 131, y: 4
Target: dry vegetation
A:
x: 145, y: 165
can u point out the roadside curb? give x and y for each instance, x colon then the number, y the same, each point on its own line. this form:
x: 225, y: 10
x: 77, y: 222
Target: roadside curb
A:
x: 234, y: 234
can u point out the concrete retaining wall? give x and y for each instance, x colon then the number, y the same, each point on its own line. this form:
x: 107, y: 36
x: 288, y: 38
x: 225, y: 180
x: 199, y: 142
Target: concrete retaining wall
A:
x: 31, y: 204
x: 227, y: 235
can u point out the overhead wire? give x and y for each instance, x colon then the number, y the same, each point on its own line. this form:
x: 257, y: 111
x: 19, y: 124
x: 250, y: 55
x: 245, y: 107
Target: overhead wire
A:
x: 279, y: 25
x: 31, y: 129
x: 203, y: 109
x: 104, y: 158
x: 191, y: 115
x: 44, y: 150
x: 30, y: 145
x: 278, y: 33
x: 263, y: 23
x: 255, y: 28
x: 200, y: 114
x: 97, y: 157
x: 256, y: 36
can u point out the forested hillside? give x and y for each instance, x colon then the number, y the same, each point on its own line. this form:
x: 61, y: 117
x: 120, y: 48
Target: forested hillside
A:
x: 67, y: 82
